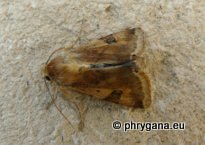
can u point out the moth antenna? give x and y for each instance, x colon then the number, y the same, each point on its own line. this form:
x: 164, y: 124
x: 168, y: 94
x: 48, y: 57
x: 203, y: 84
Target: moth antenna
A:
x: 53, y: 101
x: 68, y: 47
x: 53, y: 54
x: 63, y: 48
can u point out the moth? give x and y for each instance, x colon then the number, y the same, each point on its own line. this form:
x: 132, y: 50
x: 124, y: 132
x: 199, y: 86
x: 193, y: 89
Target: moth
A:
x: 105, y: 69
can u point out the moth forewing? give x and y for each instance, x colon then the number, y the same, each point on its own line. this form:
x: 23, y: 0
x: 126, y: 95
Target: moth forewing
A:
x: 105, y: 69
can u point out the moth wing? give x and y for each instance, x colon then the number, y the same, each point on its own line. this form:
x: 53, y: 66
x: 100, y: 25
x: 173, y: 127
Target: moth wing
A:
x: 114, y: 48
x: 121, y: 85
x: 105, y: 70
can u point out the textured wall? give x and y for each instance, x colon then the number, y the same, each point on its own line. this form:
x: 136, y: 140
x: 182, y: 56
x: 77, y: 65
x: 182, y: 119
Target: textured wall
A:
x: 174, y: 58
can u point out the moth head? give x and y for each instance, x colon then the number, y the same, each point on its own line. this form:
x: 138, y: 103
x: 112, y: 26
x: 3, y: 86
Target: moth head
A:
x: 46, y: 74
x: 50, y: 65
x: 47, y: 70
x: 47, y: 77
x: 55, y: 70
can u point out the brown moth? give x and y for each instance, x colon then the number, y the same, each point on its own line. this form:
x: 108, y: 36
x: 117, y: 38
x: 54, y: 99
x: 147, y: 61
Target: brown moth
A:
x: 105, y: 69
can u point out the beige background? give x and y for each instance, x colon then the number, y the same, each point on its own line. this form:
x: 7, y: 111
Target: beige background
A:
x: 174, y: 60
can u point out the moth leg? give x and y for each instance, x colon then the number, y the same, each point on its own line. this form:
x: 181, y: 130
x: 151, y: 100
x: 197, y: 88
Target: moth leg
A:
x: 65, y: 29
x: 82, y: 118
x: 51, y: 102
x: 79, y: 36
x: 81, y: 111
x: 130, y: 110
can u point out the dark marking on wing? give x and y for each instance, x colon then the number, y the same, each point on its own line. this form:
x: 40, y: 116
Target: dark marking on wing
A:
x: 114, y: 96
x: 107, y: 65
x: 109, y: 39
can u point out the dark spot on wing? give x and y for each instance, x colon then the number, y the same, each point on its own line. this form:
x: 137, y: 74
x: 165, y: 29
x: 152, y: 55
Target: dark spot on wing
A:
x: 116, y: 94
x: 132, y: 31
x: 134, y: 57
x: 98, y: 91
x: 109, y: 39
